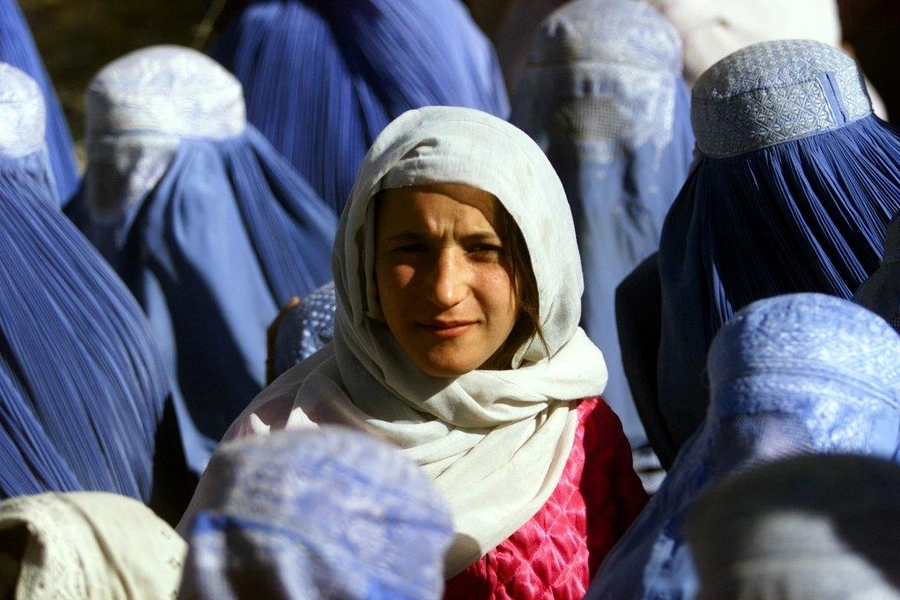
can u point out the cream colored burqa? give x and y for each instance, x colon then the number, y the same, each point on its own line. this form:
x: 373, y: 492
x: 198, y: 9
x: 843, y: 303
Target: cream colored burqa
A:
x: 495, y: 442
x: 80, y: 545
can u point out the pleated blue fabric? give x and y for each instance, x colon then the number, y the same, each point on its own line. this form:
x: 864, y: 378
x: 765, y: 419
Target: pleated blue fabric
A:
x: 796, y: 182
x: 208, y: 225
x: 880, y: 293
x: 82, y: 382
x: 602, y: 94
x: 17, y: 48
x: 305, y: 329
x: 322, y: 79
x: 319, y: 513
x: 793, y: 374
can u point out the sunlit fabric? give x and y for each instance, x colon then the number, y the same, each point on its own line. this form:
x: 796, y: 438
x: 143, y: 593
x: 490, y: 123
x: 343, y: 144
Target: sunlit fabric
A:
x: 81, y: 381
x: 322, y: 79
x: 305, y: 328
x: 603, y: 96
x: 83, y: 545
x: 713, y: 29
x: 880, y: 293
x: 792, y: 192
x: 17, y: 48
x: 805, y: 528
x: 794, y: 374
x: 319, y: 513
x: 210, y: 228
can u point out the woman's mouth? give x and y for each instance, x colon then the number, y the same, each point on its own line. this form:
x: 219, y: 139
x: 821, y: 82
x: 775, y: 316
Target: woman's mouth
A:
x: 447, y: 329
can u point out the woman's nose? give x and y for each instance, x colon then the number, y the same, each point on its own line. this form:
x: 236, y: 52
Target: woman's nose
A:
x: 448, y: 285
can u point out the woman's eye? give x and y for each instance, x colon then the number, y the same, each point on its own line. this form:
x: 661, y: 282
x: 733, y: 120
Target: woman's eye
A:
x: 491, y: 249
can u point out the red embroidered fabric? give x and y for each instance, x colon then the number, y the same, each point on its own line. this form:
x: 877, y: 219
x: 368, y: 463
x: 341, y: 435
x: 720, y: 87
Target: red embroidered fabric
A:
x: 557, y: 552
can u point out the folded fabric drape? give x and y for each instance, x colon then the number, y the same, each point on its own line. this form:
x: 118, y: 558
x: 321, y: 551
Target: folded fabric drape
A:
x: 17, y: 48
x: 602, y: 94
x: 793, y: 374
x: 793, y: 189
x: 210, y: 228
x: 322, y: 79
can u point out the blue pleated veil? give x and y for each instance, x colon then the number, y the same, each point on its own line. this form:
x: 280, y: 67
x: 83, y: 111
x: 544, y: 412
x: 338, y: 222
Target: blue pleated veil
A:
x: 209, y: 226
x: 793, y: 374
x: 82, y: 384
x: 17, y: 48
x: 795, y: 184
x: 323, y: 78
x: 602, y: 94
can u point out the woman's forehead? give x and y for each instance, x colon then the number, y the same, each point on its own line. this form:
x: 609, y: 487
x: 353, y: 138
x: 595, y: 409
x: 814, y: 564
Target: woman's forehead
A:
x: 426, y: 204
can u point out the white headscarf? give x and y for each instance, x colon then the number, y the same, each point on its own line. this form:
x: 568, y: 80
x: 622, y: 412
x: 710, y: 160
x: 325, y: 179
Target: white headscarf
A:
x: 495, y: 442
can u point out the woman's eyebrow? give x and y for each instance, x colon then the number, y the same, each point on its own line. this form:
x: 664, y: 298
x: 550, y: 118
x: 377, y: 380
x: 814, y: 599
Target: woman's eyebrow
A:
x: 405, y: 235
x: 481, y: 236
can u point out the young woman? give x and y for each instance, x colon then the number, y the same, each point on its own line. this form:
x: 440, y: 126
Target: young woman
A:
x: 458, y: 289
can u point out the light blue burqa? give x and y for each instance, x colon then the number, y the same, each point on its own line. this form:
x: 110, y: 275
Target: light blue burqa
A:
x: 211, y: 229
x: 792, y: 374
x: 317, y: 513
x: 602, y: 94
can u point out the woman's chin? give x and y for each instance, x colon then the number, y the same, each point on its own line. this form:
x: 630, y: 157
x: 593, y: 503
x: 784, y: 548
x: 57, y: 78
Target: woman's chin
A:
x: 447, y: 364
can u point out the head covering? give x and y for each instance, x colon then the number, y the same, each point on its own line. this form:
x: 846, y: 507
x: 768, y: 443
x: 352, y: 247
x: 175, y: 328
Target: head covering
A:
x: 82, y: 382
x: 87, y: 545
x: 17, y: 48
x: 324, y: 78
x: 494, y: 441
x: 305, y: 329
x: 327, y: 513
x: 603, y: 96
x: 211, y: 229
x: 795, y: 184
x: 880, y: 293
x: 712, y: 30
x: 807, y: 527
x: 794, y: 374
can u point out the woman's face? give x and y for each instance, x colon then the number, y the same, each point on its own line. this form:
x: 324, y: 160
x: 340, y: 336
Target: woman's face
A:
x: 442, y: 275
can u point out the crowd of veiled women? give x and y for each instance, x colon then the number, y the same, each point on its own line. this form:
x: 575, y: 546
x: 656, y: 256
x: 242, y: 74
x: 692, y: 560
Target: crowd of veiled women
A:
x: 405, y: 299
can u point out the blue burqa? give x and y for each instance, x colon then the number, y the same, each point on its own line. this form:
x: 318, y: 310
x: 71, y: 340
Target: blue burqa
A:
x: 793, y: 374
x: 82, y: 383
x: 796, y: 182
x: 323, y: 78
x: 211, y: 229
x: 602, y: 94
x: 17, y: 48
